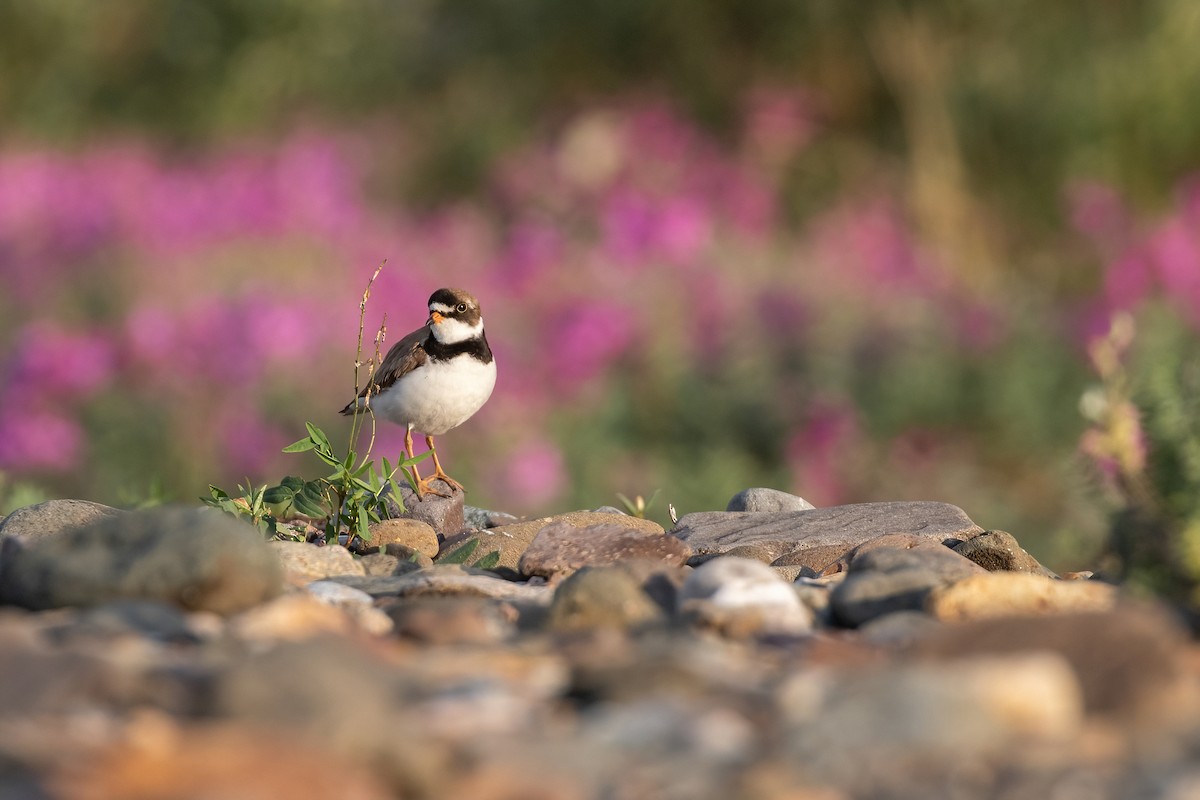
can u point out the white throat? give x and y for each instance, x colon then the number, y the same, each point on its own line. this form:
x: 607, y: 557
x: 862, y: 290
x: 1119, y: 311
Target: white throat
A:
x: 452, y: 331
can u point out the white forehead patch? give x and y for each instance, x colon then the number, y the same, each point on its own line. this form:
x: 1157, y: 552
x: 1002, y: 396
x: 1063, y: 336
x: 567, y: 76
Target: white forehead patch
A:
x: 441, y: 308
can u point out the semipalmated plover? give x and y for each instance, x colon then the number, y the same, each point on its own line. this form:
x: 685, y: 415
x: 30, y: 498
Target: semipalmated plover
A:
x: 434, y: 378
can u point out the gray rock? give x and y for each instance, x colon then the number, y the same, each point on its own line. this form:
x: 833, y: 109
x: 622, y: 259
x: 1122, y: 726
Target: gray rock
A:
x: 999, y: 550
x: 511, y: 541
x: 52, y: 517
x: 731, y: 592
x: 198, y: 559
x: 450, y: 580
x: 909, y: 715
x: 601, y: 597
x: 412, y: 533
x: 311, y: 562
x: 819, y: 537
x: 481, y: 518
x: 1133, y: 663
x: 898, y: 628
x: 443, y: 514
x: 560, y: 548
x: 759, y: 500
x: 888, y: 579
x: 383, y: 564
x: 452, y: 620
x: 150, y: 619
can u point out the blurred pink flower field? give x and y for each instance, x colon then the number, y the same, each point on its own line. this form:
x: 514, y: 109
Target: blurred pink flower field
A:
x: 660, y: 320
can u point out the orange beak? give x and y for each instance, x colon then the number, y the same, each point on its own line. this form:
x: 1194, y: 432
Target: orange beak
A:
x: 435, y: 317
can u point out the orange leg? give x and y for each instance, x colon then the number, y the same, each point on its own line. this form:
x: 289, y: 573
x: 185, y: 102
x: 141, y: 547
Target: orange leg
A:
x: 438, y: 472
x: 423, y: 487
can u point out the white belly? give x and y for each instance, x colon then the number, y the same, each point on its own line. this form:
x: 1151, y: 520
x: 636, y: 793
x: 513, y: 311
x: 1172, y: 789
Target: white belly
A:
x: 438, y: 396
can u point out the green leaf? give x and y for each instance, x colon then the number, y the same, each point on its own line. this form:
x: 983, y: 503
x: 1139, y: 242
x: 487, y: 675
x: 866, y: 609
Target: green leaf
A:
x: 311, y: 501
x: 460, y: 555
x: 300, y: 446
x: 318, y: 436
x: 277, y: 495
x: 364, y: 521
x: 417, y: 459
x: 489, y: 561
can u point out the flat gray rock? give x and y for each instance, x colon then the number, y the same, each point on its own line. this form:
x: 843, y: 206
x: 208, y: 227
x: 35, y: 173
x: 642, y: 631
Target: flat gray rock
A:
x: 197, y: 559
x: 818, y: 537
x: 443, y: 514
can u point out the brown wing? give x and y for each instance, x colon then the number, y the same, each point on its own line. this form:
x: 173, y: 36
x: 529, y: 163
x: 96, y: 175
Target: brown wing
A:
x: 405, y: 356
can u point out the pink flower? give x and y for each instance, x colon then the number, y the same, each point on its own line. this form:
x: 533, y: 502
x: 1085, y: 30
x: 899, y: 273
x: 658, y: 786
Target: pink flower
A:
x: 35, y: 439
x: 534, y: 475
x: 583, y: 338
x: 52, y: 361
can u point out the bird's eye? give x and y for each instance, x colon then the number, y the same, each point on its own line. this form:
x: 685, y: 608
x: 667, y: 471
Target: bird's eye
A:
x: 461, y: 307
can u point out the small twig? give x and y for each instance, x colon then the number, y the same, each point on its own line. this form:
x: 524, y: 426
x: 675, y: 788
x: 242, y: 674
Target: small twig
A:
x: 356, y: 423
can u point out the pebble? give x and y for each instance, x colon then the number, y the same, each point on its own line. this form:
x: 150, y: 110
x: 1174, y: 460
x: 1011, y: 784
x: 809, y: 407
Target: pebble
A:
x: 306, y: 562
x: 449, y: 580
x: 512, y: 540
x: 198, y: 559
x: 999, y: 550
x: 411, y: 533
x: 560, y: 548
x: 1002, y: 594
x: 888, y: 579
x: 601, y: 597
x: 452, y: 620
x: 745, y: 595
x: 443, y: 514
x: 52, y: 517
x: 762, y: 501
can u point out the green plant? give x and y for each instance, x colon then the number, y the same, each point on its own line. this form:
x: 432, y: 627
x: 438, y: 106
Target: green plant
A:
x: 347, y: 500
x: 461, y: 555
x: 1145, y: 440
x: 638, y: 506
x: 17, y: 494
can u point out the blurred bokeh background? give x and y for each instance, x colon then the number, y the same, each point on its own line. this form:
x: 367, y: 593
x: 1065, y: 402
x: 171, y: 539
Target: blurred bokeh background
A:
x: 858, y: 251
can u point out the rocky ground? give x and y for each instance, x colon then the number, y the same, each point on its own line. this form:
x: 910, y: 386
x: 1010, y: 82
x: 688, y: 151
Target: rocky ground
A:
x: 771, y: 652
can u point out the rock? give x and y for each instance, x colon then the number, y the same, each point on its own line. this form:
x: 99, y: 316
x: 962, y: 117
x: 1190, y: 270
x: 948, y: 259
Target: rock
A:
x: 291, y: 618
x: 512, y: 540
x: 52, y: 517
x: 744, y: 596
x: 412, y: 533
x: 819, y: 537
x: 198, y: 559
x: 998, y: 550
x: 443, y: 514
x: 601, y: 597
x: 767, y: 500
x: 449, y: 580
x: 560, y: 548
x: 909, y: 715
x: 384, y: 564
x: 158, y: 758
x: 659, y: 580
x: 405, y: 553
x: 889, y: 579
x: 901, y: 541
x: 452, y: 620
x: 481, y: 518
x: 1003, y: 594
x: 898, y: 628
x: 310, y: 562
x: 1132, y: 663
x: 161, y: 622
x: 357, y: 604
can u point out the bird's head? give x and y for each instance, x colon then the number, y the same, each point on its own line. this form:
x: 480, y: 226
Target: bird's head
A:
x: 454, y: 316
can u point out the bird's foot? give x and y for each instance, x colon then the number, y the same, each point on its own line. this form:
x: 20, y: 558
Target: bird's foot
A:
x: 453, y: 484
x: 424, y: 487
